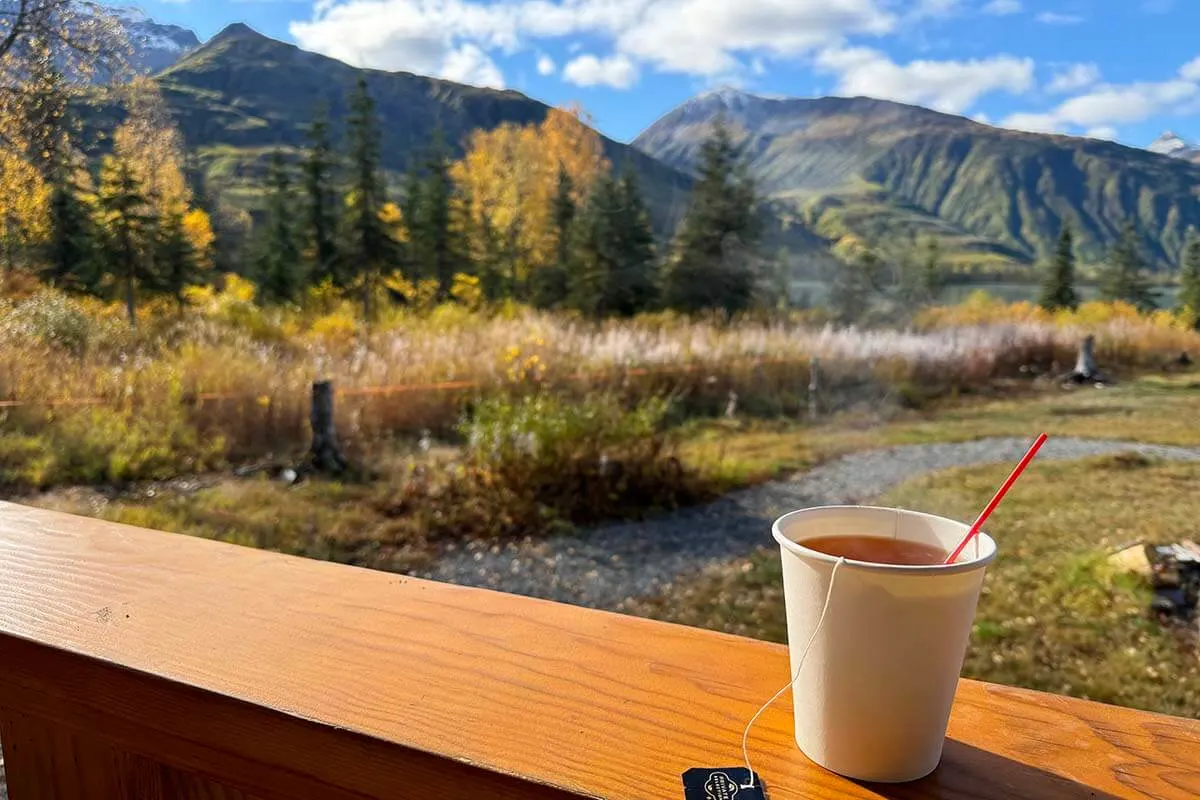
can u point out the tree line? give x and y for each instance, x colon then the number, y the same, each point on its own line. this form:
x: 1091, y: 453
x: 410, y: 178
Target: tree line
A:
x: 531, y: 213
x: 1122, y: 277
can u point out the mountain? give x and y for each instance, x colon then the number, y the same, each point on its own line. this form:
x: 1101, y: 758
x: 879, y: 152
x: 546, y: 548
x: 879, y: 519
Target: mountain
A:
x: 242, y: 95
x: 860, y: 170
x: 1173, y: 145
x: 154, y: 46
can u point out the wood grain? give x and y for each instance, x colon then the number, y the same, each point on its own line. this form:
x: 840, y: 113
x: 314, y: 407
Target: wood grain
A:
x: 268, y: 677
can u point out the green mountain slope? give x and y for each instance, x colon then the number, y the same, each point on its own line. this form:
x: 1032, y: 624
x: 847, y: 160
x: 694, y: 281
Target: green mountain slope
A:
x: 242, y: 95
x: 883, y: 172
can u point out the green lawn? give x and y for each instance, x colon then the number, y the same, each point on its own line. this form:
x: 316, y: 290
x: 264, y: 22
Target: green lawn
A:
x: 1054, y: 614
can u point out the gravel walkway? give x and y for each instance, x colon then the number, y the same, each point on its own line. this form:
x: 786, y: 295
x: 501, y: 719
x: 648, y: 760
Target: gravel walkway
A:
x: 607, y: 565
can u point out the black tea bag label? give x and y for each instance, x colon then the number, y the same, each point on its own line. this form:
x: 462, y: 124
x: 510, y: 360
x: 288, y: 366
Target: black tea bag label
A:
x: 725, y: 783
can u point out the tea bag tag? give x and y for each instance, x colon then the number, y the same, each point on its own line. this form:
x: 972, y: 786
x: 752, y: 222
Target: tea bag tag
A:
x: 722, y: 783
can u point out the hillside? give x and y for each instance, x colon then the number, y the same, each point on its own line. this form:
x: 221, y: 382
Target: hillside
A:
x: 873, y: 170
x: 242, y: 95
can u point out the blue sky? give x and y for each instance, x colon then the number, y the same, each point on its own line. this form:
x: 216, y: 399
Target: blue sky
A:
x: 1121, y: 69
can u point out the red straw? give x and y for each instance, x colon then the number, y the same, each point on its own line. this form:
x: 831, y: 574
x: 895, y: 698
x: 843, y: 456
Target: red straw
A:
x: 987, y: 512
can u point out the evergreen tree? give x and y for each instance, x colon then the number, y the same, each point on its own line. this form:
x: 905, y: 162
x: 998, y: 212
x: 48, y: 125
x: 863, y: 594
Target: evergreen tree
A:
x: 435, y: 243
x: 279, y: 266
x: 124, y: 218
x: 711, y: 267
x: 933, y: 273
x: 551, y: 283
x: 1058, y: 285
x: 922, y: 277
x: 855, y: 285
x: 1189, y: 278
x: 635, y: 287
x: 176, y: 263
x: 612, y: 253
x: 592, y: 258
x: 72, y: 260
x: 371, y: 248
x: 1122, y: 277
x: 324, y: 257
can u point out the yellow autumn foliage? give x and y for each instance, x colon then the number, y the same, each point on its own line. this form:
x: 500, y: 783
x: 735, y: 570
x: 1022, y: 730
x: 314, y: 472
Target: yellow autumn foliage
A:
x: 508, y: 179
x: 153, y: 147
x: 197, y: 227
x: 24, y: 204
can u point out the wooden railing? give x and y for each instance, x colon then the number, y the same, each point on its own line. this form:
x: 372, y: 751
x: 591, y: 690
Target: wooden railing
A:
x: 136, y: 664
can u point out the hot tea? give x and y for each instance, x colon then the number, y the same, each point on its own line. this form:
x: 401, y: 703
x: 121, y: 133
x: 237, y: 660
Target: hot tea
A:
x: 877, y: 550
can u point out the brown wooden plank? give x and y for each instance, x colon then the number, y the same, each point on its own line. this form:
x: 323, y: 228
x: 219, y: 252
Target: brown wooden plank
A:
x: 281, y: 677
x: 50, y: 761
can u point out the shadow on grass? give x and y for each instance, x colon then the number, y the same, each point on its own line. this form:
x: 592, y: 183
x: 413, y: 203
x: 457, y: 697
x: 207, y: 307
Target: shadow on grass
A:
x: 967, y: 771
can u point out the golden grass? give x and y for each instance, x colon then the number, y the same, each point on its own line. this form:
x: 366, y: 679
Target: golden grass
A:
x: 243, y: 373
x: 1158, y: 409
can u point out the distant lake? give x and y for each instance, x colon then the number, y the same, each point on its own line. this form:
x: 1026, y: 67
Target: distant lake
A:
x: 816, y: 292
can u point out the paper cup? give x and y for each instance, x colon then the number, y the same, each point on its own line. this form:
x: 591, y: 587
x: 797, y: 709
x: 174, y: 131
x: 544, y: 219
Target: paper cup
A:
x: 873, y: 697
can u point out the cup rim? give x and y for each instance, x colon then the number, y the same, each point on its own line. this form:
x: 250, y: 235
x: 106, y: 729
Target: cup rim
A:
x: 988, y: 544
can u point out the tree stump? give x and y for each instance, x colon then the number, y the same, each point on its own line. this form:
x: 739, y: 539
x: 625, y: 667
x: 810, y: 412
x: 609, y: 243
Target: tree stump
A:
x: 1086, y: 370
x: 325, y: 456
x: 814, y: 387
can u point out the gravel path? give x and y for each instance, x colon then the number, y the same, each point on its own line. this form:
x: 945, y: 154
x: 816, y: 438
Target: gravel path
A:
x: 607, y: 565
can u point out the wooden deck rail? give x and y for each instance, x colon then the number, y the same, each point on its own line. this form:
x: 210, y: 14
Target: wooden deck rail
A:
x: 135, y: 664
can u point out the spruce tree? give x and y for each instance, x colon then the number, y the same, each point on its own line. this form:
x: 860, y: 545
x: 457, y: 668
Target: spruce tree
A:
x: 933, y: 273
x: 435, y: 243
x: 371, y: 248
x: 279, y: 267
x: 1189, y: 278
x: 72, y: 260
x: 592, y: 259
x: 551, y: 283
x: 612, y: 251
x: 324, y: 257
x: 1122, y: 277
x: 635, y: 287
x: 855, y: 286
x: 710, y: 267
x: 176, y: 264
x: 922, y: 277
x: 1058, y: 284
x: 124, y: 218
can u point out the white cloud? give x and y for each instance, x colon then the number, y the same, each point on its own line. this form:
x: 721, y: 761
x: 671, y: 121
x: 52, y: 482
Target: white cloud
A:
x: 706, y: 36
x: 1055, y: 18
x: 545, y: 65
x: 469, y: 64
x: 1107, y: 105
x: 698, y: 37
x: 1191, y: 70
x: 1002, y: 8
x: 1073, y: 78
x: 950, y: 86
x: 1101, y: 132
x: 617, y: 71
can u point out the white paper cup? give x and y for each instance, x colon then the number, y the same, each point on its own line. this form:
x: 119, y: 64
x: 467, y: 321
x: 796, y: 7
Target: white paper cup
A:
x: 873, y: 698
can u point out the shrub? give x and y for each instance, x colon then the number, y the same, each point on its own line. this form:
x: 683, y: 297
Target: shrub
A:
x: 104, y: 445
x: 538, y: 462
x: 51, y: 318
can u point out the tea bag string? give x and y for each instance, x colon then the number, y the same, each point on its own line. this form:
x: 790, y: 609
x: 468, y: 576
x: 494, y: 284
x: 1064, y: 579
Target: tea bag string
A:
x: 799, y: 666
